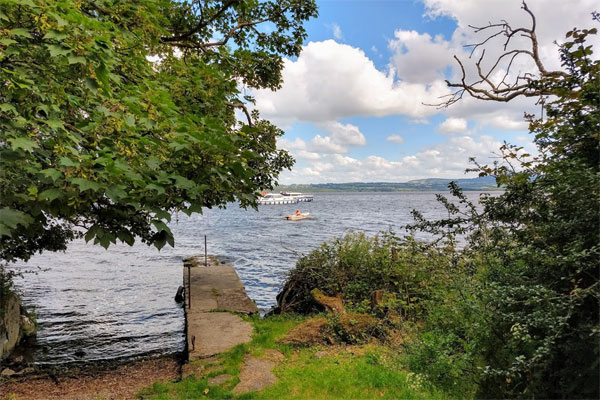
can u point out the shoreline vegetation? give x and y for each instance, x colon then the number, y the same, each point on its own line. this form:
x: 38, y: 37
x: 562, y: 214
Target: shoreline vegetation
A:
x: 487, y: 183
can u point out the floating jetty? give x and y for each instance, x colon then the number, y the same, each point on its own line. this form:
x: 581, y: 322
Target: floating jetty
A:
x: 213, y: 293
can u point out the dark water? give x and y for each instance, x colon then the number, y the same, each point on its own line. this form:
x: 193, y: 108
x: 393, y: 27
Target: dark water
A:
x: 94, y: 304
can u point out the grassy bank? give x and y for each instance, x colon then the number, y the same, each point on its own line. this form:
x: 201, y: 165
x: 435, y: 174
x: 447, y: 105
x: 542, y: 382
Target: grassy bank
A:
x: 370, y: 371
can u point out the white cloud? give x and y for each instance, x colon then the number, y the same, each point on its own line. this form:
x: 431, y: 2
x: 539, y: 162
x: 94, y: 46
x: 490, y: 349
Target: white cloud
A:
x: 345, y: 135
x: 453, y: 125
x: 444, y: 160
x: 330, y: 81
x: 419, y: 57
x: 325, y: 144
x: 395, y: 139
x: 337, y: 31
x: 341, y: 137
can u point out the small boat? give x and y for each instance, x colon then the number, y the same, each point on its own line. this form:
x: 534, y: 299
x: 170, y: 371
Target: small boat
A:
x: 296, y: 217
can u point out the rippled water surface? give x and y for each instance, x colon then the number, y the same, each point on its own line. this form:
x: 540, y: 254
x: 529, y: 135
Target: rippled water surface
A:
x: 96, y: 304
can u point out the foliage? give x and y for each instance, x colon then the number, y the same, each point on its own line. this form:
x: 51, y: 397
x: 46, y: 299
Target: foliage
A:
x: 115, y: 114
x: 355, y: 266
x: 528, y: 319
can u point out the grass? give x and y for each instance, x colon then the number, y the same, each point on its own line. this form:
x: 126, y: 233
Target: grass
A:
x: 354, y: 372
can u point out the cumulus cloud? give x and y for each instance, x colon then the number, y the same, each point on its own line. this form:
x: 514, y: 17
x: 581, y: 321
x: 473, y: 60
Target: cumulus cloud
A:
x: 341, y: 137
x: 453, y: 125
x: 419, y: 57
x: 445, y: 160
x: 345, y: 134
x: 330, y: 81
x: 395, y: 139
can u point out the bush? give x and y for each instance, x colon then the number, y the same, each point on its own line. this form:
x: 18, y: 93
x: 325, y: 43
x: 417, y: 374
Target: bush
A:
x: 404, y: 271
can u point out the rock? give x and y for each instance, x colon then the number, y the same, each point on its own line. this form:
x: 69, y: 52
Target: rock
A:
x: 10, y: 327
x: 27, y: 326
x: 332, y: 304
x: 255, y: 375
x: 7, y: 372
x: 25, y: 371
x: 308, y: 333
x: 219, y: 379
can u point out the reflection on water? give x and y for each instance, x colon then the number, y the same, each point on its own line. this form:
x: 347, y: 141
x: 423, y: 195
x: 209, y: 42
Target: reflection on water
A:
x: 94, y: 304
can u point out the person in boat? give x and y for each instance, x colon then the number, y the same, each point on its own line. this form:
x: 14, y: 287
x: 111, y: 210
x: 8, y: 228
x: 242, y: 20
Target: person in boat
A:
x: 298, y: 213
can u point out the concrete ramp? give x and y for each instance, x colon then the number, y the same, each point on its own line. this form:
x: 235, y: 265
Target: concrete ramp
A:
x: 213, y: 293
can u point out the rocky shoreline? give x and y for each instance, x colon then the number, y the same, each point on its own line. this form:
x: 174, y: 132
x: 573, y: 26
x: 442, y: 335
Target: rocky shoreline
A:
x: 90, y: 381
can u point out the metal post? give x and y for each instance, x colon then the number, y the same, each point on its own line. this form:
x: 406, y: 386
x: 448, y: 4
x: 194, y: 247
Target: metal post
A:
x: 205, y: 253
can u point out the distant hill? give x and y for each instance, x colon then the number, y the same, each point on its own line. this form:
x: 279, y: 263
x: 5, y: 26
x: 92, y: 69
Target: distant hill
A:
x: 433, y: 184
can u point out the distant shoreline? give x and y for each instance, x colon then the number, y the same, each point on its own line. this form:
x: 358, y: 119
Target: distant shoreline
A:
x: 487, y: 183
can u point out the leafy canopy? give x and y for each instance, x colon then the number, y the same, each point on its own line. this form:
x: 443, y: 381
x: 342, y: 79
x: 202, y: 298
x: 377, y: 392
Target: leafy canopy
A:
x: 115, y: 114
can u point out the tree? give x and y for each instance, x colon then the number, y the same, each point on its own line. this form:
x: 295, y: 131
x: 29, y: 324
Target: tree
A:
x: 114, y: 115
x: 535, y: 248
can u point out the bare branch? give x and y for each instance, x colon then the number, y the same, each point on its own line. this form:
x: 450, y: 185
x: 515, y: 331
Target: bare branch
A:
x: 484, y: 88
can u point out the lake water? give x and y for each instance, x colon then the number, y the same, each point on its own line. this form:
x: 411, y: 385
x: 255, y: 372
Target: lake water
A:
x: 95, y: 304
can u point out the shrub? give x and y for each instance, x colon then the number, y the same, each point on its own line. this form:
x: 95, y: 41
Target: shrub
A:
x: 404, y: 271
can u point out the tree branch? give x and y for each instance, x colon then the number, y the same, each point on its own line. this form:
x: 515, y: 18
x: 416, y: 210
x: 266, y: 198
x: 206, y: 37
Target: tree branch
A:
x: 484, y: 88
x: 243, y: 107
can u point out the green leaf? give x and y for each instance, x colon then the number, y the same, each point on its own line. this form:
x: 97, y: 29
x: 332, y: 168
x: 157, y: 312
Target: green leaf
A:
x: 85, y: 184
x: 91, y: 233
x: 91, y: 84
x: 7, y: 41
x: 54, y: 124
x: 130, y: 120
x: 56, y: 50
x: 153, y: 163
x: 11, y: 218
x: 116, y: 192
x: 22, y: 32
x: 160, y: 226
x: 67, y: 162
x: 5, y: 107
x: 51, y: 194
x: 54, y: 34
x: 76, y: 60
x: 126, y: 237
x: 61, y: 21
x: 51, y: 173
x: 23, y: 143
x: 158, y: 189
x: 183, y: 183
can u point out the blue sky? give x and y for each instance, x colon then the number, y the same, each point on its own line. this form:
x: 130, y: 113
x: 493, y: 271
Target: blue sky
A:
x: 352, y: 102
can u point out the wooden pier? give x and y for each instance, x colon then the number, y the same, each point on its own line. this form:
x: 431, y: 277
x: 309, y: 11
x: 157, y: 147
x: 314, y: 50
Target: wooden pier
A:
x: 213, y: 293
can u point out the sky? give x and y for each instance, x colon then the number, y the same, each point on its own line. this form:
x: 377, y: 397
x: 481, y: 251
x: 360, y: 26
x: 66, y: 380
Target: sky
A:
x: 353, y: 104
